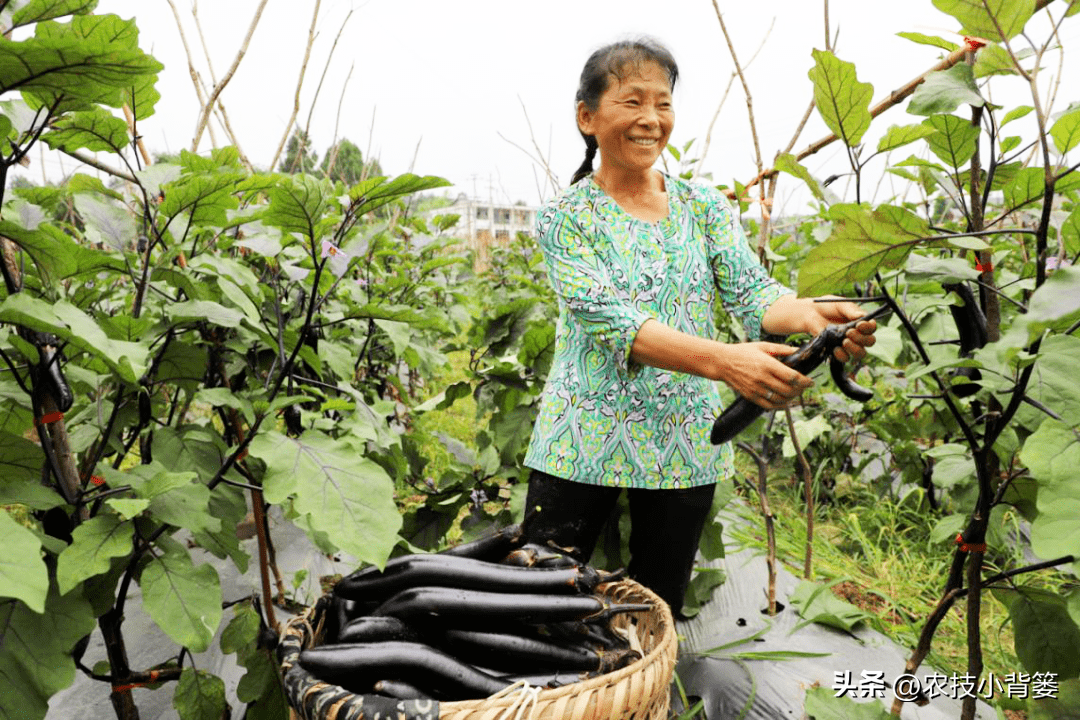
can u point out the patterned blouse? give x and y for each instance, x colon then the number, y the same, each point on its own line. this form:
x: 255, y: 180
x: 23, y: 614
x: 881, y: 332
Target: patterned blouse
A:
x: 605, y: 419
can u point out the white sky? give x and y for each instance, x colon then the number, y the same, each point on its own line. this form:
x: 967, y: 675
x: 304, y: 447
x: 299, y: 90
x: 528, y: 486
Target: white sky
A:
x: 453, y: 76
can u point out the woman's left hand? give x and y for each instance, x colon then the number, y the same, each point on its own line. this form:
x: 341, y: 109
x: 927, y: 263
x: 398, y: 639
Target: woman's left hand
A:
x: 858, y: 338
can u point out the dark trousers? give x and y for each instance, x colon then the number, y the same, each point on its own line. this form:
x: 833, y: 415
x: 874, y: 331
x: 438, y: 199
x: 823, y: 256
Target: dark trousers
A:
x: 665, y: 527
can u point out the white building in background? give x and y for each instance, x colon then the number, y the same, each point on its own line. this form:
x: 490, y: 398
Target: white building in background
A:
x: 484, y: 222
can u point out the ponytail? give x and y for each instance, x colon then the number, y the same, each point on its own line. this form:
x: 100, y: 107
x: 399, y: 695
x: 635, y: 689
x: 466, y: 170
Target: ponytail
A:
x: 590, y: 153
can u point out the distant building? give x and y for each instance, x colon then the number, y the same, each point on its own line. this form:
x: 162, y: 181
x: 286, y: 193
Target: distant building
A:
x: 484, y: 222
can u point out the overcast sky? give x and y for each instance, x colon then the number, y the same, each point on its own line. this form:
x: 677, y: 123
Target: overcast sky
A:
x: 443, y: 80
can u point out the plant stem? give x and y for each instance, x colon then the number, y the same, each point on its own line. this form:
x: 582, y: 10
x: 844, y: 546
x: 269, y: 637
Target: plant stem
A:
x: 770, y: 525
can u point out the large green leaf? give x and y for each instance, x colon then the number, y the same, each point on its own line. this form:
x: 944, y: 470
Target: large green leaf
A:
x: 23, y: 574
x: 900, y: 135
x: 1066, y: 131
x: 1053, y: 379
x: 1065, y: 705
x: 823, y: 704
x: 70, y: 66
x: 200, y: 696
x: 1056, y: 304
x: 93, y: 546
x: 20, y: 461
x: 929, y: 40
x: 945, y: 90
x: 39, y: 10
x: 816, y: 603
x: 991, y: 19
x: 240, y: 636
x: 345, y: 495
x: 204, y: 198
x: 96, y: 130
x: 842, y: 101
x: 863, y: 241
x: 184, y: 504
x: 128, y: 360
x: 1028, y: 185
x: 375, y: 192
x: 106, y: 222
x: 297, y: 205
x: 955, y: 139
x: 35, y: 652
x: 1052, y: 453
x: 1045, y: 636
x: 184, y: 600
x: 54, y: 253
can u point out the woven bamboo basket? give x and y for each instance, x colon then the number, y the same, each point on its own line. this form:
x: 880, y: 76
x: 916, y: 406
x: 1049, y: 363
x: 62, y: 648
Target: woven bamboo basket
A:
x: 639, y: 691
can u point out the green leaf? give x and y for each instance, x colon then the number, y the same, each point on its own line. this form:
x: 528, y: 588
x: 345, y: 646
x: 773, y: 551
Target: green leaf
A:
x: 23, y: 574
x: 994, y: 60
x: 205, y: 310
x: 93, y: 546
x: 186, y: 506
x: 816, y: 603
x: 929, y: 40
x: 297, y: 205
x: 347, y: 496
x: 53, y: 252
x: 900, y: 135
x: 945, y: 90
x: 375, y: 192
x: 990, y: 19
x: 822, y: 704
x: 955, y: 139
x: 1051, y: 453
x: 71, y: 66
x: 35, y: 652
x: 842, y: 101
x: 184, y: 600
x: 786, y: 162
x: 1066, y: 131
x: 36, y: 11
x: 106, y: 222
x: 1045, y: 636
x: 1066, y: 704
x: 20, y: 463
x: 807, y: 431
x: 128, y: 507
x: 1056, y: 304
x: 200, y: 696
x: 863, y: 241
x: 204, y: 198
x: 1028, y: 185
x: 96, y: 130
x: 1016, y: 113
x: 127, y: 360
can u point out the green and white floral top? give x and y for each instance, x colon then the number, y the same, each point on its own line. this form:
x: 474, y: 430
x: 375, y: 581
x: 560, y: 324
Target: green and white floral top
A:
x: 607, y: 420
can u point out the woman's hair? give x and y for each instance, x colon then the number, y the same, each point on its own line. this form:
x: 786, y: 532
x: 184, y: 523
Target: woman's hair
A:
x: 613, y: 61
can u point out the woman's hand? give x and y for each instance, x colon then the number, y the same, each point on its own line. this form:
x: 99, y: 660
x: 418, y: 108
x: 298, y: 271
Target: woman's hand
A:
x: 858, y: 338
x: 752, y: 370
x: 793, y: 315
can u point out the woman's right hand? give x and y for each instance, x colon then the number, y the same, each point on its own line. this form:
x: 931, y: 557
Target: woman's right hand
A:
x: 753, y: 371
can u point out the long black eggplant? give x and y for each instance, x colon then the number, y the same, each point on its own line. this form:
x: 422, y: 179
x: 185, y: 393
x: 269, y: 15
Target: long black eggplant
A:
x: 358, y: 666
x: 472, y: 608
x: 516, y: 653
x: 462, y: 572
x: 971, y: 324
x: 373, y: 628
x: 738, y: 416
x: 491, y: 547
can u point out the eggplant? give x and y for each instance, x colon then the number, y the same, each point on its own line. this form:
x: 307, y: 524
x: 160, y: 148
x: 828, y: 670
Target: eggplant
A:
x: 358, y: 666
x: 533, y: 555
x: 738, y: 416
x: 462, y: 572
x: 971, y: 324
x: 490, y: 547
x: 517, y: 653
x: 400, y: 690
x: 470, y: 608
x: 373, y: 628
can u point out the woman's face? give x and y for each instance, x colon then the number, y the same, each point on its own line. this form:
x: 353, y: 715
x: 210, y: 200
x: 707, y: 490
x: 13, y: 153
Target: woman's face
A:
x: 633, y: 120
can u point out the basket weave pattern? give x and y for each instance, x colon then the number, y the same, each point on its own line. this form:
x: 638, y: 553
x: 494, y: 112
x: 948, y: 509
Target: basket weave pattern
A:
x: 639, y: 691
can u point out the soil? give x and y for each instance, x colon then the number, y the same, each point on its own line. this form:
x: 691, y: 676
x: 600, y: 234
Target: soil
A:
x: 865, y: 600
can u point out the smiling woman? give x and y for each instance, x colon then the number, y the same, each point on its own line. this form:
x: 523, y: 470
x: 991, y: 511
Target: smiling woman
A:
x: 638, y: 258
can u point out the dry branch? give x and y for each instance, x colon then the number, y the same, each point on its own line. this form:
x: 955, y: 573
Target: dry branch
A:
x: 299, y: 85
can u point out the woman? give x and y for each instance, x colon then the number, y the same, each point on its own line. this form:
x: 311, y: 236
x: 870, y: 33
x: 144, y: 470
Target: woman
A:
x: 637, y: 259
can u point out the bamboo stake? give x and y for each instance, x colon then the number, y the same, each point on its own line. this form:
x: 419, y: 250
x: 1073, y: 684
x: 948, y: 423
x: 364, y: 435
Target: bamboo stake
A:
x: 299, y: 84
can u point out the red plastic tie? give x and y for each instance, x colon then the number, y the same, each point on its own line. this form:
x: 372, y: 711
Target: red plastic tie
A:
x: 969, y: 547
x: 97, y: 479
x: 974, y: 43
x: 988, y: 267
x: 48, y: 419
x: 131, y: 686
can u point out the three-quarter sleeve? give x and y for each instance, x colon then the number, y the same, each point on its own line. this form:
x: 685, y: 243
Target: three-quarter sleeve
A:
x: 743, y: 284
x: 582, y: 281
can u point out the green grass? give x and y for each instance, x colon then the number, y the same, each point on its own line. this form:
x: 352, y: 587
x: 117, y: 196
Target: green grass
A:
x: 882, y: 548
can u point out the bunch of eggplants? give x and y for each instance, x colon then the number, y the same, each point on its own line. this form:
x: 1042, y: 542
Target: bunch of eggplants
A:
x: 469, y: 622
